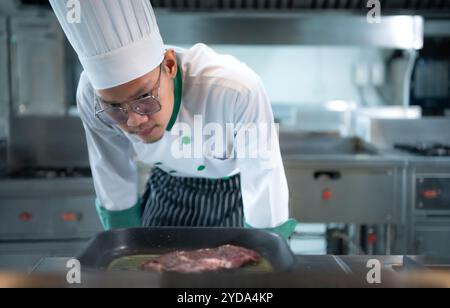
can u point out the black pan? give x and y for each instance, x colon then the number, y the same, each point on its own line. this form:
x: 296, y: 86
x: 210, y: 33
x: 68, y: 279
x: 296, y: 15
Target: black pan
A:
x: 112, y: 245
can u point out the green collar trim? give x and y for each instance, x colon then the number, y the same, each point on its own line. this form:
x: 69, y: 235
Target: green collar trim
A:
x: 177, y: 93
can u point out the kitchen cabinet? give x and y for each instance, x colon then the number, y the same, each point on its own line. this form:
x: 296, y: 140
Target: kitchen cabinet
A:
x: 48, y: 209
x: 45, y: 217
x: 344, y: 193
x: 429, y: 208
x: 38, y: 66
x: 431, y: 238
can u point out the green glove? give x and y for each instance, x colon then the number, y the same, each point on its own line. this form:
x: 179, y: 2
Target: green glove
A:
x: 130, y: 218
x: 285, y: 230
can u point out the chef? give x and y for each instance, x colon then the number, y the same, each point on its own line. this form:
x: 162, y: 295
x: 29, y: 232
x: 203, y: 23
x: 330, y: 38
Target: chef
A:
x: 195, y: 115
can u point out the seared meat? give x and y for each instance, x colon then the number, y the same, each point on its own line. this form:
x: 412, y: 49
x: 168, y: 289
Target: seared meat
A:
x: 203, y: 260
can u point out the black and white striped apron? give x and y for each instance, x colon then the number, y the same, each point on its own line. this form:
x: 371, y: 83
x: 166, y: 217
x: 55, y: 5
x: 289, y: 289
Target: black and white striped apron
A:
x: 192, y: 202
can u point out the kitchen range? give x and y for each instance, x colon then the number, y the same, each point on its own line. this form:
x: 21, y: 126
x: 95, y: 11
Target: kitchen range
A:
x: 428, y: 188
x: 389, y: 186
x: 424, y: 148
x: 44, y: 216
x: 47, y: 195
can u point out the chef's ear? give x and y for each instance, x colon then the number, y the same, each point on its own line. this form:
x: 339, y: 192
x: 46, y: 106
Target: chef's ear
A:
x: 170, y: 63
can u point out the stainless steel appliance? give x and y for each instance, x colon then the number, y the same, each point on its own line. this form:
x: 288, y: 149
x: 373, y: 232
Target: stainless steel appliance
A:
x: 353, y: 6
x: 347, y: 184
x: 401, y: 180
x: 422, y: 144
x: 430, y: 215
x: 47, y: 204
x: 47, y: 199
x: 428, y: 199
x: 284, y: 22
x: 38, y: 65
x: 262, y: 28
x: 45, y: 212
x: 340, y: 180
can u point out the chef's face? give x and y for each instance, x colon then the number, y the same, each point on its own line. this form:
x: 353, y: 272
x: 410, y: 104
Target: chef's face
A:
x: 149, y: 129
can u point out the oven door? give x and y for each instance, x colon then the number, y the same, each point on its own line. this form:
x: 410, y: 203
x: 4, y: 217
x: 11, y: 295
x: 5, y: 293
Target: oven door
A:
x: 44, y: 209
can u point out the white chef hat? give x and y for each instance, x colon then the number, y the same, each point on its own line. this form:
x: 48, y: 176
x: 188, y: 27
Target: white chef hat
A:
x: 117, y: 41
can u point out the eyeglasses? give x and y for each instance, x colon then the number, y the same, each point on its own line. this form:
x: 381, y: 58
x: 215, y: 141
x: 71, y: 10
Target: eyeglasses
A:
x: 116, y: 114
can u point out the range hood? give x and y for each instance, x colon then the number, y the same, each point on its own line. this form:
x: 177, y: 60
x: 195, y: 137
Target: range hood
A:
x: 296, y: 22
x: 388, y: 5
x: 409, y: 7
x: 394, y: 32
x: 288, y: 22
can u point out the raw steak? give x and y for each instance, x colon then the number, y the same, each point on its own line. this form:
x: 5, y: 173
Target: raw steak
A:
x: 203, y: 260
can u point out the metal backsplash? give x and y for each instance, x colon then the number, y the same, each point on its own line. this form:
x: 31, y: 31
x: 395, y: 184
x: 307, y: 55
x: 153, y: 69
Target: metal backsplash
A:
x: 47, y: 142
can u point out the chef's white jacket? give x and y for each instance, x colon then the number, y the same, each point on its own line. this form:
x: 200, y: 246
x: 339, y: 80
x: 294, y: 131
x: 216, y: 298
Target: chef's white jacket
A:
x: 216, y: 89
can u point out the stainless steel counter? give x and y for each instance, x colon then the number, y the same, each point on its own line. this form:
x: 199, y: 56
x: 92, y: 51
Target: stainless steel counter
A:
x: 310, y: 271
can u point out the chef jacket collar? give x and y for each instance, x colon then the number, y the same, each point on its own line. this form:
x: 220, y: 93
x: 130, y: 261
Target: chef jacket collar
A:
x: 178, y: 93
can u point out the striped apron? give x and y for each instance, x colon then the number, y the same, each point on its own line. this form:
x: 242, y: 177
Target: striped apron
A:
x: 192, y: 202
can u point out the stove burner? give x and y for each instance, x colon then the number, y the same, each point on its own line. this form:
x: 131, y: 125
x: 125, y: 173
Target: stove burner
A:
x: 426, y: 149
x: 51, y: 173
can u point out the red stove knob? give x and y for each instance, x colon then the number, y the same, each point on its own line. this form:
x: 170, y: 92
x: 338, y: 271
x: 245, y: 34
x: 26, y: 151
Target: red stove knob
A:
x: 372, y: 238
x: 431, y: 194
x: 70, y: 217
x: 327, y: 195
x: 25, y: 216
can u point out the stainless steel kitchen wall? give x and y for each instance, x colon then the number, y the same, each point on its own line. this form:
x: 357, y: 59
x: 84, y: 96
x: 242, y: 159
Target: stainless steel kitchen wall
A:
x: 302, y: 58
x: 311, y: 75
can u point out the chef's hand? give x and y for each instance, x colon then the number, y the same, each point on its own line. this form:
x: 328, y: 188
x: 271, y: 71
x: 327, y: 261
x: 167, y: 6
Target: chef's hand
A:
x: 286, y: 230
x: 130, y: 218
